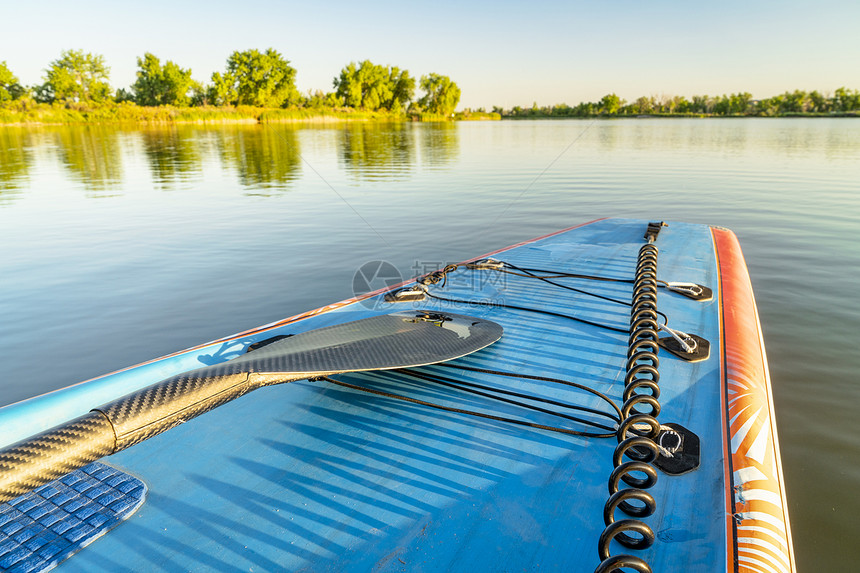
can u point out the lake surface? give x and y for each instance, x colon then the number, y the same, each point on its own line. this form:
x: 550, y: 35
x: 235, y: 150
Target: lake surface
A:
x: 123, y: 244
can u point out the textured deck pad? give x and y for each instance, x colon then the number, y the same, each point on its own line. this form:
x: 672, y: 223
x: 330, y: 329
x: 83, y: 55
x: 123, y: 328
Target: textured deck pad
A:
x: 42, y: 528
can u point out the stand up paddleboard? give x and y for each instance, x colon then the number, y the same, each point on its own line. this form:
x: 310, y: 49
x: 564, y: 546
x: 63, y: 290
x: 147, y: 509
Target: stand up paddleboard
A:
x: 623, y: 421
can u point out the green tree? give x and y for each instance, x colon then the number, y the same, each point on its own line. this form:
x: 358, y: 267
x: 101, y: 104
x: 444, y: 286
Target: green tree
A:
x: 769, y: 106
x: 643, y: 105
x: 403, y: 87
x: 348, y: 86
x: 223, y: 90
x: 681, y: 104
x: 702, y: 104
x: 317, y: 99
x: 854, y: 103
x: 76, y: 77
x: 123, y: 95
x: 794, y: 102
x: 722, y: 105
x: 846, y: 100
x: 441, y: 95
x: 562, y: 110
x: 9, y: 87
x: 610, y: 104
x: 585, y: 109
x: 819, y: 103
x: 739, y: 103
x: 372, y: 87
x: 375, y: 86
x: 202, y: 95
x: 161, y: 85
x: 263, y: 79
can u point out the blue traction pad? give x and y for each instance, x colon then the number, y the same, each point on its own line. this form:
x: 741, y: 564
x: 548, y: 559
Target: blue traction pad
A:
x: 42, y: 528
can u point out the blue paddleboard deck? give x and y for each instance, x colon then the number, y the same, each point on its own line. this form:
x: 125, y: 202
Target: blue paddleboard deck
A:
x: 327, y: 476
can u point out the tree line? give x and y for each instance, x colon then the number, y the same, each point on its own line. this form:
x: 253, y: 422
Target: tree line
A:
x: 798, y: 102
x: 251, y: 78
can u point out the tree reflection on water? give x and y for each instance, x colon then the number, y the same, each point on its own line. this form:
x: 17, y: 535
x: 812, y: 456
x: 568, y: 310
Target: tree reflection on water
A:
x: 92, y: 155
x: 267, y: 159
x: 173, y: 153
x: 15, y: 161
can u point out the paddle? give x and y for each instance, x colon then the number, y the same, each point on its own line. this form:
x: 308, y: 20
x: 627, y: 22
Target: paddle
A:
x: 397, y: 340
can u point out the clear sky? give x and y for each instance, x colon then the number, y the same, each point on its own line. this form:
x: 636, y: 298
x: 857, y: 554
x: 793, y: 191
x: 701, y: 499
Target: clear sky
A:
x: 499, y: 53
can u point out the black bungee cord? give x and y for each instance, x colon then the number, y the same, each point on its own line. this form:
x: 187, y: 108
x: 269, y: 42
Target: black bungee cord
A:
x: 529, y: 309
x: 513, y: 398
x: 482, y: 390
x: 641, y: 383
x: 452, y: 409
x: 497, y: 394
x: 442, y: 276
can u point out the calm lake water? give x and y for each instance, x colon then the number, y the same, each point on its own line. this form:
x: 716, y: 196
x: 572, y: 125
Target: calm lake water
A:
x: 123, y: 244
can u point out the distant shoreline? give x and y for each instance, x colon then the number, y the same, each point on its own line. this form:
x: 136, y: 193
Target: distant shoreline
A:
x: 687, y: 116
x: 34, y: 115
x: 43, y: 114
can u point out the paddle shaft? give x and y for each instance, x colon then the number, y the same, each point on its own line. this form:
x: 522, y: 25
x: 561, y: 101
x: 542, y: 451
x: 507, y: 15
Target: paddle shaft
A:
x: 396, y: 340
x: 138, y: 416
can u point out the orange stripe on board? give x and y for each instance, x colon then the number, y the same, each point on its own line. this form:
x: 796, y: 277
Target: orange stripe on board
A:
x: 731, y: 549
x: 757, y: 512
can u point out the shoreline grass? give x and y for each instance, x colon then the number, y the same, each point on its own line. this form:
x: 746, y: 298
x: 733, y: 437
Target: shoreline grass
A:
x: 28, y: 112
x: 832, y: 114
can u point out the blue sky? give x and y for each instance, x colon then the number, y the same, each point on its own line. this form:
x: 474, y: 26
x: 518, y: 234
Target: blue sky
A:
x: 500, y: 53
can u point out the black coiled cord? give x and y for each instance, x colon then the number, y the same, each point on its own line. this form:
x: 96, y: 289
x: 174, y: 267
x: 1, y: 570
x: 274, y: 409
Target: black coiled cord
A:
x: 641, y: 388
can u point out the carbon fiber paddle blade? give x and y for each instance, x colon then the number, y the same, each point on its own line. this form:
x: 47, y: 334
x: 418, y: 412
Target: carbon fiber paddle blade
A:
x: 397, y: 340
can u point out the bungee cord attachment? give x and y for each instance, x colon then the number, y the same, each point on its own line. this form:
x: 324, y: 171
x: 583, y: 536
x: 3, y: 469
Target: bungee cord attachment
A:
x: 641, y: 387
